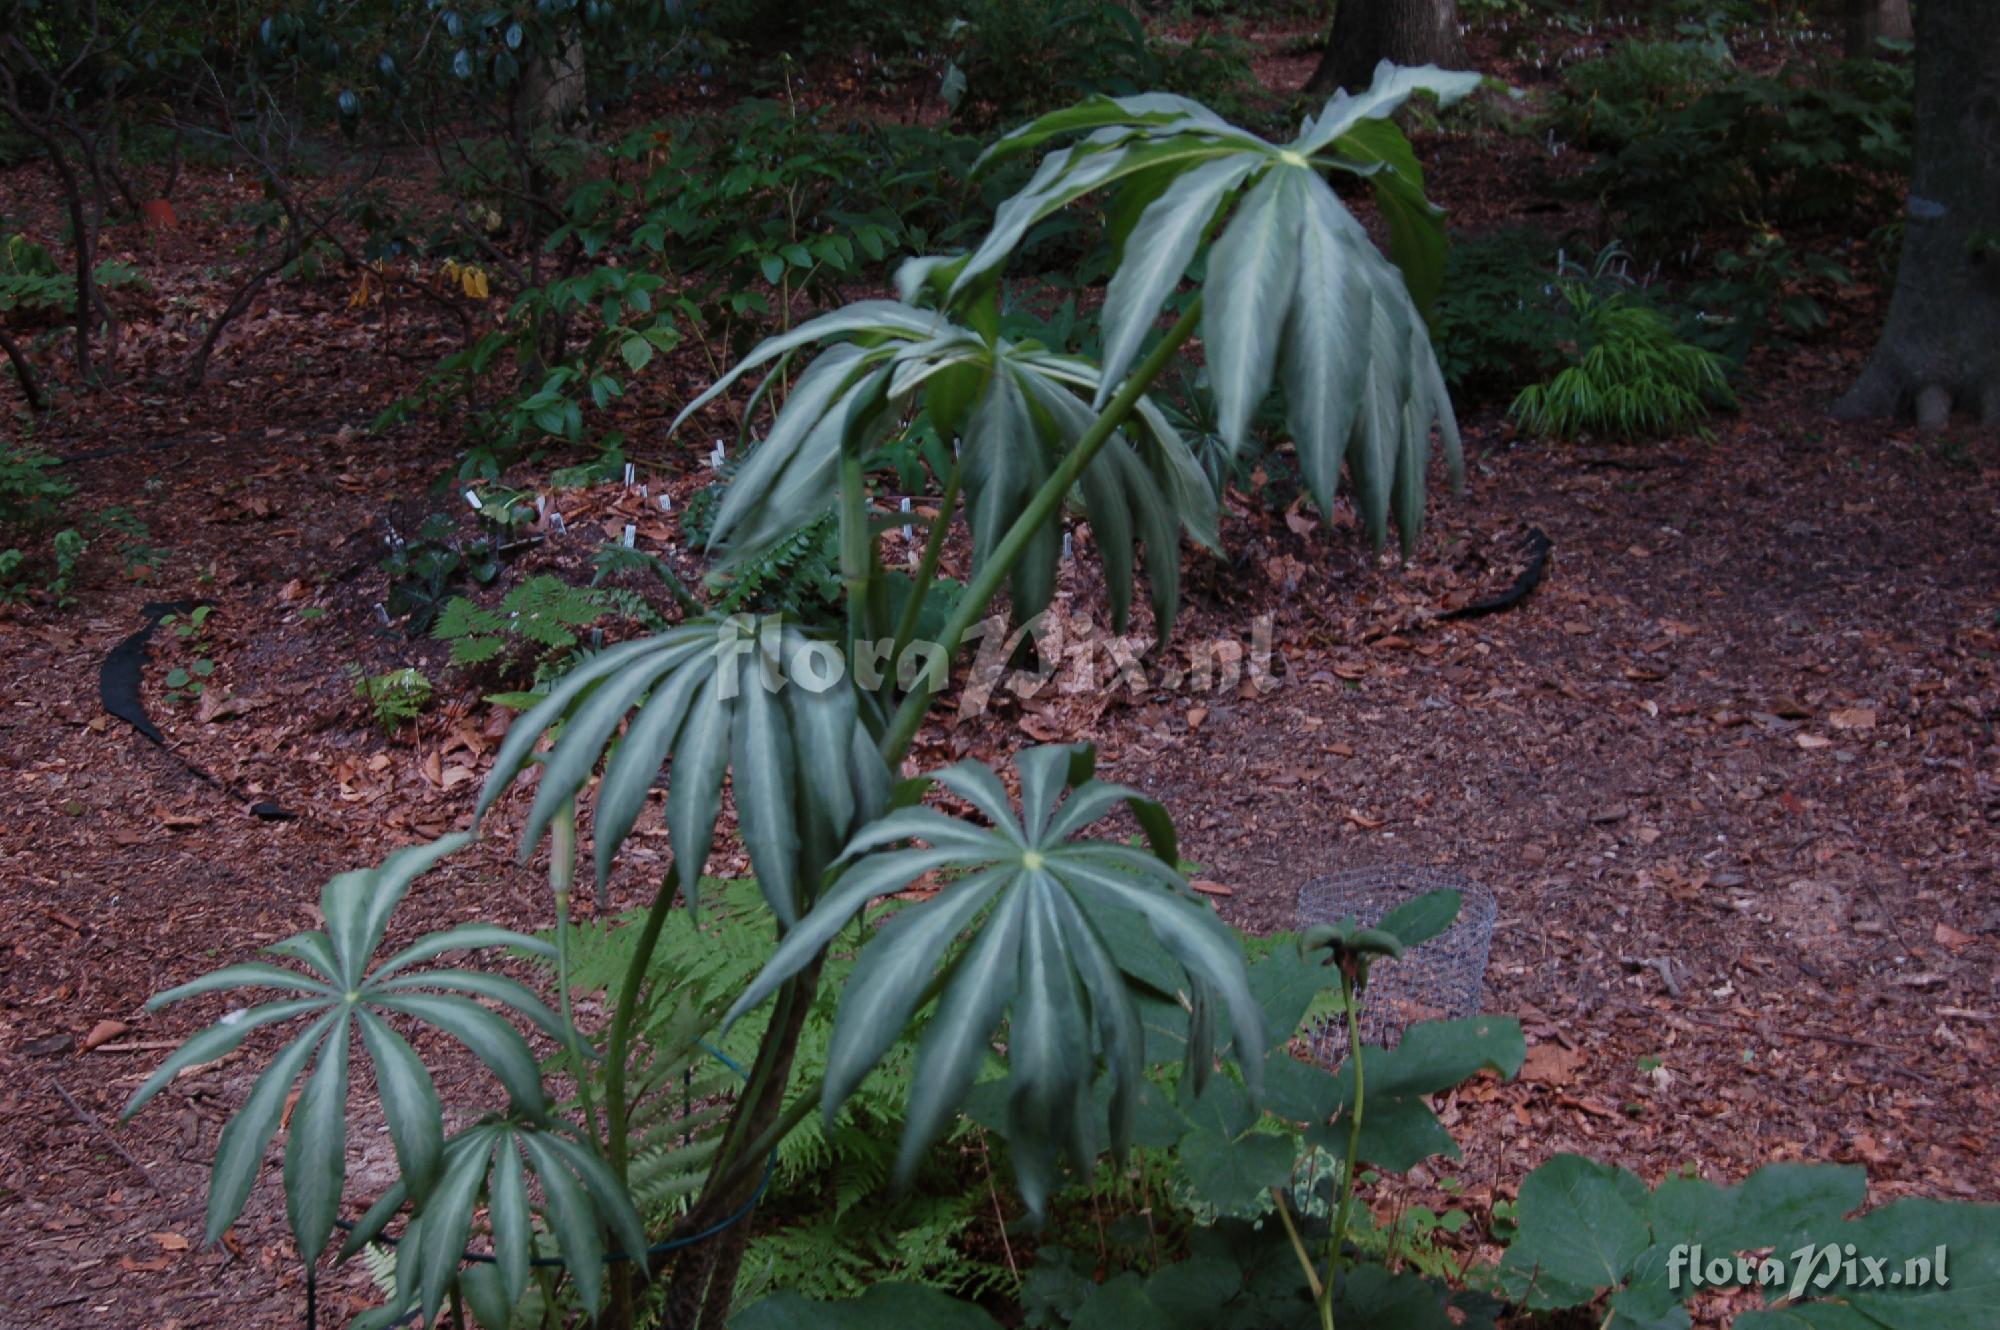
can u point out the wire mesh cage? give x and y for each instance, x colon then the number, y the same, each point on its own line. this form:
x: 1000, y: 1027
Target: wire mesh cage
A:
x: 1442, y: 979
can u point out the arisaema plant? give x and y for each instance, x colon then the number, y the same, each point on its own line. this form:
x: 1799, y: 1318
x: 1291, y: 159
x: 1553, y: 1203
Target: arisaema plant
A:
x: 1020, y: 955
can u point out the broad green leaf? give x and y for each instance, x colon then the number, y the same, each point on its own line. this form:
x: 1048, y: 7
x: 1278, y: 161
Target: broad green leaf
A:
x: 240, y: 1152
x: 1422, y: 918
x: 1582, y: 1226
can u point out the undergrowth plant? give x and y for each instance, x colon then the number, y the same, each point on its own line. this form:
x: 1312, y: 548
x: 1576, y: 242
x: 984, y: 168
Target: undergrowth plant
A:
x: 1052, y: 985
x: 1634, y: 378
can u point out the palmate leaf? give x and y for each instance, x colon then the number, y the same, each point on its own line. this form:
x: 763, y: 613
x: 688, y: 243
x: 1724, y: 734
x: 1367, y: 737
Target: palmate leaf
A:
x: 1016, y: 409
x: 1031, y: 898
x: 348, y: 995
x: 582, y: 1204
x: 718, y: 697
x: 1293, y: 287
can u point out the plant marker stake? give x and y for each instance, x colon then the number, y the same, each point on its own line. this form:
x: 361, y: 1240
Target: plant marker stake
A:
x: 556, y: 520
x: 717, y: 457
x: 1069, y: 547
x: 382, y: 613
x: 666, y: 503
x: 628, y: 475
x: 906, y: 526
x: 473, y: 499
x: 628, y: 535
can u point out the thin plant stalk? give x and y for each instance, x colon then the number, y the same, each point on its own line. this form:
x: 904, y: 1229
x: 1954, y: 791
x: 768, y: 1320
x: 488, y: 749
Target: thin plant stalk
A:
x: 1348, y: 995
x: 562, y: 876
x: 906, y: 622
x: 1041, y: 509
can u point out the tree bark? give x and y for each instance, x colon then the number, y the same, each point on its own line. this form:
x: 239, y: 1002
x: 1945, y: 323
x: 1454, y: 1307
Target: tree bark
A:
x: 1367, y: 32
x: 1941, y: 347
x: 1871, y: 21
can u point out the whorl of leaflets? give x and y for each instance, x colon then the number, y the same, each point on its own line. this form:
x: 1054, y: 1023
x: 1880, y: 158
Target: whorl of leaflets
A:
x: 1294, y: 288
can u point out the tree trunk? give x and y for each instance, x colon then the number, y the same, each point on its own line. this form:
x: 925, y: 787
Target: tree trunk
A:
x: 1872, y: 21
x: 1941, y: 347
x: 1367, y: 32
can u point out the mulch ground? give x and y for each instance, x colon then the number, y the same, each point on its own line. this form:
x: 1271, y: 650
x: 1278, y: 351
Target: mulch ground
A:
x: 1730, y: 772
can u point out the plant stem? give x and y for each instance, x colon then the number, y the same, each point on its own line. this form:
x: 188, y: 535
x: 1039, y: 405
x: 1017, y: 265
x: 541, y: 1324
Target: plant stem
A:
x: 854, y: 560
x: 797, y: 1111
x: 1298, y: 1243
x: 562, y: 876
x: 1041, y: 509
x: 619, y: 1050
x: 1347, y: 992
x: 906, y: 622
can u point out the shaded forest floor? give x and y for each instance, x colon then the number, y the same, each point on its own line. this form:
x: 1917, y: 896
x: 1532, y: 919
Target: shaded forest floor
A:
x: 1730, y: 772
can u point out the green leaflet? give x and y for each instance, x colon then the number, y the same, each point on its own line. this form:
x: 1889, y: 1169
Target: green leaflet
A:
x: 1031, y: 897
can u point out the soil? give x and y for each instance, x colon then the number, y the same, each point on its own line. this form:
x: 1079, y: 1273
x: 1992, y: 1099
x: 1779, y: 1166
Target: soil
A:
x: 1730, y: 771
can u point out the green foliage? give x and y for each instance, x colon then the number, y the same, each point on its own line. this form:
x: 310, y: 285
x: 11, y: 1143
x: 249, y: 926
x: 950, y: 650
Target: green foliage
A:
x: 1634, y: 378
x: 423, y: 570
x: 31, y: 501
x: 1628, y: 92
x: 1588, y: 1229
x: 1292, y: 285
x: 1044, y: 900
x: 1767, y: 282
x: 536, y: 620
x: 394, y: 697
x: 346, y: 994
x: 1800, y: 145
x: 1501, y: 319
x: 1112, y: 980
x: 190, y: 633
x: 1014, y: 58
x: 31, y: 279
x: 886, y: 357
x: 839, y: 1229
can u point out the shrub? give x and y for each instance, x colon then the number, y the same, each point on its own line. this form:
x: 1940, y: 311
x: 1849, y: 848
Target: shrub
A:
x: 1633, y: 378
x: 1802, y: 145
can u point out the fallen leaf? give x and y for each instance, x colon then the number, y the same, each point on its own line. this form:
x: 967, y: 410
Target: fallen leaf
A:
x: 1852, y: 718
x: 103, y: 1033
x: 454, y: 776
x: 171, y: 1241
x: 1947, y: 936
x: 1810, y: 741
x: 1362, y: 820
x: 1551, y: 1064
x: 1195, y: 716
x: 1207, y: 888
